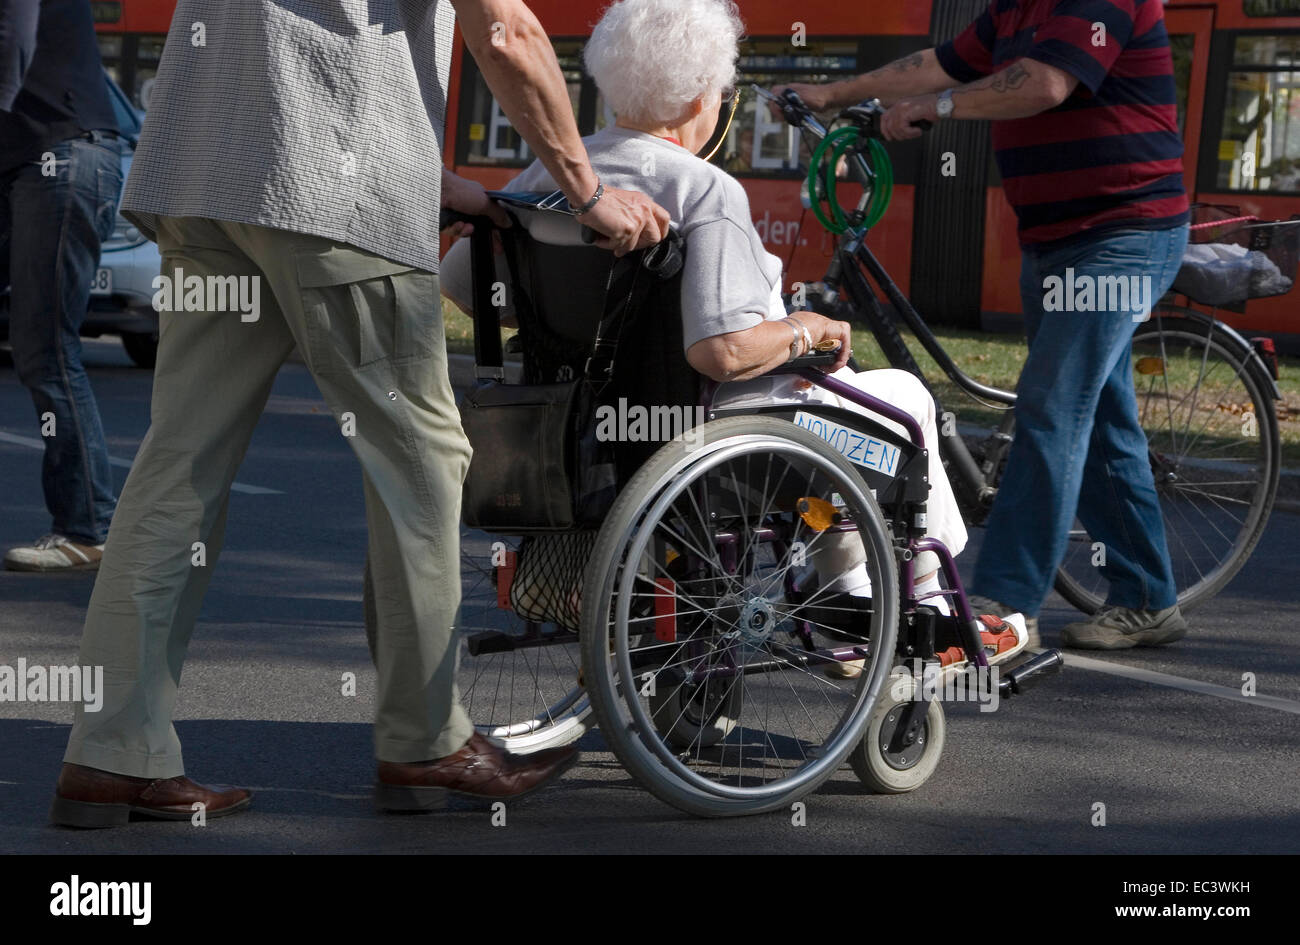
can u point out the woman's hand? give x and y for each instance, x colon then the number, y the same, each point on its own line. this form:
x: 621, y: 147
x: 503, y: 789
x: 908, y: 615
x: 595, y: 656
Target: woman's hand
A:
x: 752, y: 352
x: 822, y: 329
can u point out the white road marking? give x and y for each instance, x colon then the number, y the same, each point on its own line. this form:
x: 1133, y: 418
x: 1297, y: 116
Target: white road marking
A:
x: 1179, y: 682
x: 126, y: 464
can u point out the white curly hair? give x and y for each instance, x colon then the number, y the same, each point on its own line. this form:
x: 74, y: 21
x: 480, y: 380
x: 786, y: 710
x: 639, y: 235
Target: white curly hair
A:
x: 652, y: 58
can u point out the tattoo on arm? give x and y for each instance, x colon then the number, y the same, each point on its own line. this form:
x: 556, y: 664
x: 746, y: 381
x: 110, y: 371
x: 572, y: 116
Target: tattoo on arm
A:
x: 906, y: 64
x: 1008, y: 80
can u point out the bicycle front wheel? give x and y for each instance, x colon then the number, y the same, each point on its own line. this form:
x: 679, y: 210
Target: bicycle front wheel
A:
x: 1215, y: 456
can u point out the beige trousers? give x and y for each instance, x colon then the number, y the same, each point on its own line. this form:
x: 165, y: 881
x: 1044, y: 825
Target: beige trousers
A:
x: 371, y: 332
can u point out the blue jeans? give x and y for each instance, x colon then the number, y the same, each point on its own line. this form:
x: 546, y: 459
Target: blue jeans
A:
x: 50, y: 230
x: 1079, y: 447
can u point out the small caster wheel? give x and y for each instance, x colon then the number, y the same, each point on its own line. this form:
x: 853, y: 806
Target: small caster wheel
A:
x: 903, y: 741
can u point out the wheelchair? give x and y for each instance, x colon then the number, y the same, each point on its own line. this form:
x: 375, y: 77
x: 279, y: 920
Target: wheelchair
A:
x: 686, y: 619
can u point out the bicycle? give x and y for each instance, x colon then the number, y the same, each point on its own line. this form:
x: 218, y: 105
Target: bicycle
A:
x: 1215, y: 503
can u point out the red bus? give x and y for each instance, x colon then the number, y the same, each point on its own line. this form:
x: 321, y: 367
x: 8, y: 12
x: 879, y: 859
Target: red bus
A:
x: 948, y: 241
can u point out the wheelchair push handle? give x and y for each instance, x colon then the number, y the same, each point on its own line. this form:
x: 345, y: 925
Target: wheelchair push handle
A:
x: 664, y: 259
x: 448, y: 217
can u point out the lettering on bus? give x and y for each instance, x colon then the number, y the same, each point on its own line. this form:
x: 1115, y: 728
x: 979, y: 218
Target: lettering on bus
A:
x: 777, y: 232
x: 1270, y: 7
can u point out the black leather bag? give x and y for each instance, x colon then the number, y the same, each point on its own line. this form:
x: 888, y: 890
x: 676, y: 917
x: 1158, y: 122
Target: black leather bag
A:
x: 538, y: 465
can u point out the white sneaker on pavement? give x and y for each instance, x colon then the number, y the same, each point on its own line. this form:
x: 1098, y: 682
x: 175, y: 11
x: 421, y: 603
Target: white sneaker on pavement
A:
x: 54, y: 553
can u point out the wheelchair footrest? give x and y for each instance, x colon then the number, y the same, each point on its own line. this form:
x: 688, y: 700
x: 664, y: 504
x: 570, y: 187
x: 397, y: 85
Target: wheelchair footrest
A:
x: 1028, y: 674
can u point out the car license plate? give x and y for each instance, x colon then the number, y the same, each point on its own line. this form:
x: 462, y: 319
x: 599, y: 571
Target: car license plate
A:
x: 854, y: 446
x: 103, y: 284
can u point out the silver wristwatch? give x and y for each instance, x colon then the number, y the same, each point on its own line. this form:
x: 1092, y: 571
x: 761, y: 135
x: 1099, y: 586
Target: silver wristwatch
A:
x: 943, y: 105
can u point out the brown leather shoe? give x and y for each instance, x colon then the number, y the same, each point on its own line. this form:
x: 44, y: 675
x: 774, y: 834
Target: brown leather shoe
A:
x: 480, y: 770
x: 89, y: 797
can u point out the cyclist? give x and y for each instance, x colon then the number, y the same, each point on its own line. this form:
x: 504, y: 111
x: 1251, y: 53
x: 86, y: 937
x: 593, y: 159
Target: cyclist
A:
x: 1082, y: 98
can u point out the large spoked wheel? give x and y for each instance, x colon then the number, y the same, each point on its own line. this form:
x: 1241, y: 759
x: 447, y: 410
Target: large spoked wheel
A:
x: 520, y: 681
x: 690, y: 715
x: 698, y: 589
x: 1214, y: 447
x: 904, y: 739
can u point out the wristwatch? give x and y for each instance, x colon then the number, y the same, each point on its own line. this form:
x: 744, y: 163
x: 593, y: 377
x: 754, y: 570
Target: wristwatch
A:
x: 943, y: 105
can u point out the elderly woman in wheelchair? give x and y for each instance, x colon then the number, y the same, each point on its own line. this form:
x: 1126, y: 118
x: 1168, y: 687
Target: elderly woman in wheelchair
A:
x: 733, y: 600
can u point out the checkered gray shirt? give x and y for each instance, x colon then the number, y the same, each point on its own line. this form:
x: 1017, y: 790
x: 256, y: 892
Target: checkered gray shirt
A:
x: 318, y: 117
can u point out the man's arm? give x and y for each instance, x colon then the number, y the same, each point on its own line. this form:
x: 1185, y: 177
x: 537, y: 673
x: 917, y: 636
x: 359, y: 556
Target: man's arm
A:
x: 18, y: 22
x: 1024, y: 88
x: 912, y: 75
x: 519, y: 65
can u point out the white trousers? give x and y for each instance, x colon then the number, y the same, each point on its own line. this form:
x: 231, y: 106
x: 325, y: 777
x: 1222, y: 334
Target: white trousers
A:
x: 838, y: 558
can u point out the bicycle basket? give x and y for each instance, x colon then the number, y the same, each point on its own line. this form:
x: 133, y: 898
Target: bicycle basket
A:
x: 1233, y: 256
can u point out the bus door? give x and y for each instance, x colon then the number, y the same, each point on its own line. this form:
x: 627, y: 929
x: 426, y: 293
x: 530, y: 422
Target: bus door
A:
x: 1190, y: 30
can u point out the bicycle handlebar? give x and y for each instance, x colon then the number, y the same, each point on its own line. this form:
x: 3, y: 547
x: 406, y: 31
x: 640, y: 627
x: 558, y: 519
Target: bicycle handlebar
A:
x: 866, y: 115
x: 854, y: 144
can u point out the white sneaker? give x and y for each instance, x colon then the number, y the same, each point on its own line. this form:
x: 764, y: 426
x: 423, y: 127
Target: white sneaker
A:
x: 54, y: 553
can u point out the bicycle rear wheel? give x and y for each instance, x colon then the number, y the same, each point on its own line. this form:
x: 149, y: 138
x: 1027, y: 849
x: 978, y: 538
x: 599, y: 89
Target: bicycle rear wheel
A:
x: 1215, y: 456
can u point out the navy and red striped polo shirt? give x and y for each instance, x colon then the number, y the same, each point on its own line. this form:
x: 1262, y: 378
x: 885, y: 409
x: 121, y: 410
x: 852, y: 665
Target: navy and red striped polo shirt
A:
x: 1110, y: 155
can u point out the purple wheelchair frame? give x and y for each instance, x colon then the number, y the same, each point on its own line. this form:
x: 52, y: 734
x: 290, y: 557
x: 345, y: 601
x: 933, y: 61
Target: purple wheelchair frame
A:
x: 916, y: 543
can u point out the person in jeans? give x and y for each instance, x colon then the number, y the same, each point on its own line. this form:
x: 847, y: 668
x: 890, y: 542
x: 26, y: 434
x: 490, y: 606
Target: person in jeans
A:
x: 298, y: 154
x: 60, y: 177
x: 1082, y: 98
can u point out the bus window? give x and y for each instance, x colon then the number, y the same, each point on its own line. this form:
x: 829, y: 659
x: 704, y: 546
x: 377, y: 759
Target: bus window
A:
x: 148, y: 52
x: 758, y: 144
x: 110, y: 51
x: 1259, y: 144
x: 1270, y: 7
x: 486, y: 138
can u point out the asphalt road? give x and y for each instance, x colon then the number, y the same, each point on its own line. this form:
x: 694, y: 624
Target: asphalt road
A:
x: 1162, y: 738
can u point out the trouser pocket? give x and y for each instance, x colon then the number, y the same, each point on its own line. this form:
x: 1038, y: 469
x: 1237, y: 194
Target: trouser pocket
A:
x: 360, y: 309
